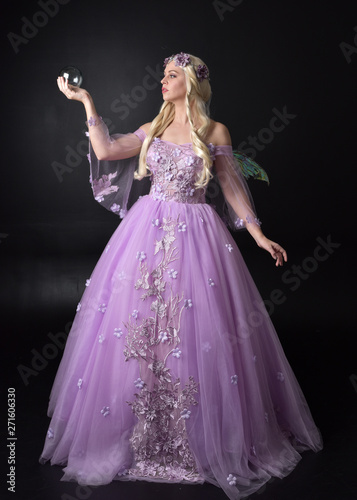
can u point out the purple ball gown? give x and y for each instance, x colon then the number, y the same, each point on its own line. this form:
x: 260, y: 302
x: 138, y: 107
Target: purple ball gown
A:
x: 173, y: 371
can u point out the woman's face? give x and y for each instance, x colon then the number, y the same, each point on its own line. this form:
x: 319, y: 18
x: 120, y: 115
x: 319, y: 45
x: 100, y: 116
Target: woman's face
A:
x: 173, y: 83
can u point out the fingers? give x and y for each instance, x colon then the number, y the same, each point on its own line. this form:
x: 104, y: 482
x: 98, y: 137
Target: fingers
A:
x: 279, y: 254
x: 63, y: 86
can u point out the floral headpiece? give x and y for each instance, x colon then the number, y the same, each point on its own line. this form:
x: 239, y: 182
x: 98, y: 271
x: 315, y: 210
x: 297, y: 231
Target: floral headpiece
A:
x: 183, y: 60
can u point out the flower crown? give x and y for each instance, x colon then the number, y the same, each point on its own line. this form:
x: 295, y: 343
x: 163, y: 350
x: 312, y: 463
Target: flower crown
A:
x: 183, y: 60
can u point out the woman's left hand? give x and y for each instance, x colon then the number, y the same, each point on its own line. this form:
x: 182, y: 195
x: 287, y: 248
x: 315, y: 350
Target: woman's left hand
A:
x: 276, y: 251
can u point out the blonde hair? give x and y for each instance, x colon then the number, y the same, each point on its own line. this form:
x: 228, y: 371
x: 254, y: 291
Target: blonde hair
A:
x: 198, y: 96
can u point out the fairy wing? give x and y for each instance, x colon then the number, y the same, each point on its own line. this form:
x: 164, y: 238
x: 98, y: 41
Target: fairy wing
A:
x: 249, y: 167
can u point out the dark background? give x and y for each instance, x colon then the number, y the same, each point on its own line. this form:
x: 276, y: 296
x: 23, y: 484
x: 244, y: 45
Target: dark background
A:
x: 263, y: 56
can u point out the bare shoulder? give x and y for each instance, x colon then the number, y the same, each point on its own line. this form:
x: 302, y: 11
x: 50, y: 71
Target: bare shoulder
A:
x: 146, y: 127
x: 219, y: 134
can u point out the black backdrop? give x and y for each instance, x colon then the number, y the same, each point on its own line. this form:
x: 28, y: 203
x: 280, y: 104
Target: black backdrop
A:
x: 296, y: 59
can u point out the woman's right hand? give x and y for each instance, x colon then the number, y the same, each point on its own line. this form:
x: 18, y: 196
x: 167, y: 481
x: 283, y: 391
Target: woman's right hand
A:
x: 70, y: 91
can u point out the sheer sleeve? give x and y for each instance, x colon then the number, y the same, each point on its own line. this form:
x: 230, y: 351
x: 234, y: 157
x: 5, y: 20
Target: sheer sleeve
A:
x: 112, y: 180
x: 228, y: 191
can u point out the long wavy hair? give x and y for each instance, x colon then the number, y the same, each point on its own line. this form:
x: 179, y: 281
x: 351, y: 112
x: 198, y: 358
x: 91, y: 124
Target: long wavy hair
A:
x: 198, y: 96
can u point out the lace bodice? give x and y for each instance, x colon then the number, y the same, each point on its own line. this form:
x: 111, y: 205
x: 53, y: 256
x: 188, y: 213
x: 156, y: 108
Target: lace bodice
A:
x: 174, y: 172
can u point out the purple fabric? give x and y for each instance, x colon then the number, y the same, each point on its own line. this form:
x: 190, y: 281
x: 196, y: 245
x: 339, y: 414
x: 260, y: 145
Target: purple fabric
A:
x: 172, y: 370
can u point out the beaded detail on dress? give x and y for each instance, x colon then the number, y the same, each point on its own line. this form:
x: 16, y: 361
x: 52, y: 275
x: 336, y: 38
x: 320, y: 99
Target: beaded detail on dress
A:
x: 175, y: 168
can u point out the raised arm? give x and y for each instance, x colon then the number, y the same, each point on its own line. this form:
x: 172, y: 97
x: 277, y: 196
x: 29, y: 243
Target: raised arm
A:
x: 104, y: 146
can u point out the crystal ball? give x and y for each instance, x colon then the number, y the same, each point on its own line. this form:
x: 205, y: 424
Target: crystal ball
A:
x: 73, y: 75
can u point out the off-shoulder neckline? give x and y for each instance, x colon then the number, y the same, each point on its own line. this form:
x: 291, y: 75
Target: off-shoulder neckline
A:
x: 188, y: 143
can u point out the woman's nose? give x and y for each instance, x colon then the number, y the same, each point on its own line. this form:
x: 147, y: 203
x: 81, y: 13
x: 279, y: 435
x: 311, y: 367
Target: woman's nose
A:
x: 164, y: 80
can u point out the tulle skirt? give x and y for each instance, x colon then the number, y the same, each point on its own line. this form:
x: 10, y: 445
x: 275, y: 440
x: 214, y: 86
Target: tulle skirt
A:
x: 172, y: 370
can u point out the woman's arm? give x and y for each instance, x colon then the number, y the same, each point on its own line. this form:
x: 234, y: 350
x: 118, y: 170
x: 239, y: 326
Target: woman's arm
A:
x: 236, y: 194
x: 103, y: 145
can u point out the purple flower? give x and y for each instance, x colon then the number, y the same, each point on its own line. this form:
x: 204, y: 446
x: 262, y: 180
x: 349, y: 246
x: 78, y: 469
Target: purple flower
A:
x: 135, y: 314
x: 102, y: 308
x: 88, y: 281
x: 101, y: 338
x: 118, y: 332
x: 91, y: 121
x: 189, y: 160
x: 172, y: 273
x: 139, y: 384
x: 229, y: 247
x: 141, y: 256
x: 202, y: 72
x: 234, y: 379
x: 105, y: 411
x: 185, y: 413
x: 79, y: 305
x: 239, y: 223
x: 280, y: 376
x: 182, y: 59
x: 115, y: 208
x: 210, y: 282
x: 232, y: 480
x: 176, y: 353
x: 79, y: 383
x: 50, y: 433
x: 188, y: 303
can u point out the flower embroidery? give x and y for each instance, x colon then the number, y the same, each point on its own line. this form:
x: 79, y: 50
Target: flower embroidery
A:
x: 232, y: 480
x: 88, y: 281
x: 115, y: 208
x: 188, y: 303
x: 50, y: 433
x: 141, y: 256
x: 79, y: 383
x: 177, y: 152
x: 101, y: 338
x: 99, y: 198
x: 107, y: 248
x: 156, y: 156
x: 239, y: 223
x: 176, y: 353
x: 122, y: 213
x: 210, y: 282
x: 280, y: 376
x: 102, y: 308
x: 234, y: 379
x: 185, y: 413
x: 118, y: 333
x: 181, y: 227
x: 229, y: 247
x: 172, y: 273
x: 79, y: 305
x: 163, y: 336
x: 135, y: 314
x: 105, y: 411
x: 155, y: 222
x: 189, y: 160
x: 139, y: 384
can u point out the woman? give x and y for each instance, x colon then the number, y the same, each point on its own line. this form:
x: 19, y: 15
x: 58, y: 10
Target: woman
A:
x: 172, y: 370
